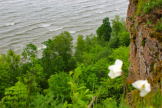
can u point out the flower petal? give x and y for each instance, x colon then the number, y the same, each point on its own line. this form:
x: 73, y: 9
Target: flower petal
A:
x: 147, y: 87
x: 111, y: 67
x: 117, y: 70
x: 111, y: 75
x: 118, y: 74
x: 138, y: 84
x: 143, y: 93
x: 118, y: 63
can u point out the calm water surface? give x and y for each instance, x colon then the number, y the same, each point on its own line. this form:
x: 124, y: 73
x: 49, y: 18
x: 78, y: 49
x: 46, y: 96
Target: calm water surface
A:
x: 34, y: 21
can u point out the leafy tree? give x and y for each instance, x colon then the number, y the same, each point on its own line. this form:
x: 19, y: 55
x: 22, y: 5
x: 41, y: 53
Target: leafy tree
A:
x: 58, y: 54
x: 88, y: 76
x: 15, y: 96
x: 104, y: 30
x: 114, y: 42
x: 62, y: 44
x: 47, y: 101
x: 120, y: 35
x: 9, y: 68
x: 80, y: 48
x: 71, y: 65
x: 52, y: 65
x: 79, y: 94
x: 124, y: 39
x: 116, y: 25
x: 29, y: 51
x: 4, y: 77
x: 36, y: 75
x: 58, y: 85
x: 14, y: 61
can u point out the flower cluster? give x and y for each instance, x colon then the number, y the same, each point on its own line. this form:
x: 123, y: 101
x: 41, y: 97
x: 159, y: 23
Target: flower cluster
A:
x: 116, y: 71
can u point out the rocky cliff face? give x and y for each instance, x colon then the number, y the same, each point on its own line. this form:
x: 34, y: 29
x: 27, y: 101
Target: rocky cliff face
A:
x: 145, y: 47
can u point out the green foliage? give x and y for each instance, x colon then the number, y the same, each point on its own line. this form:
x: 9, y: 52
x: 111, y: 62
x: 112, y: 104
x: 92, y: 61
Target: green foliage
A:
x: 146, y: 7
x: 120, y: 35
x: 80, y: 95
x: 52, y: 65
x: 149, y: 5
x: 58, y: 85
x: 158, y: 26
x: 4, y: 77
x: 114, y: 42
x: 116, y: 25
x: 80, y: 48
x: 139, y: 7
x: 104, y: 30
x: 122, y: 53
x: 143, y: 42
x: 95, y: 51
x: 88, y: 76
x: 61, y: 44
x: 15, y: 96
x: 9, y: 70
x: 124, y: 39
x: 108, y: 103
x: 44, y: 82
x: 114, y: 87
x: 148, y: 23
x: 47, y: 101
x: 157, y: 99
x: 58, y: 54
x: 151, y: 100
x: 34, y: 79
x: 14, y: 61
x: 29, y: 51
x: 35, y: 73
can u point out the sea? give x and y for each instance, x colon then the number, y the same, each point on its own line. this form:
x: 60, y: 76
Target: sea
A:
x: 35, y: 21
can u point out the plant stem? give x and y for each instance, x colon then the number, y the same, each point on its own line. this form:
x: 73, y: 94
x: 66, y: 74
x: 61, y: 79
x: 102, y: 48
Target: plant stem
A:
x: 124, y: 85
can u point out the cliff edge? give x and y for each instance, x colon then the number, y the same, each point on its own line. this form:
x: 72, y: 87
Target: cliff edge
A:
x: 145, y: 27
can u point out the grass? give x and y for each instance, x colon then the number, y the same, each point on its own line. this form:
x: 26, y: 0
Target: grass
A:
x: 151, y: 100
x: 158, y: 26
x: 148, y: 23
x: 146, y: 7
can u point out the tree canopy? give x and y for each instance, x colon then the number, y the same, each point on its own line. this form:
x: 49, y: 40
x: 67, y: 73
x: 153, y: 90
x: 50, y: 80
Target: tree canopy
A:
x: 104, y: 30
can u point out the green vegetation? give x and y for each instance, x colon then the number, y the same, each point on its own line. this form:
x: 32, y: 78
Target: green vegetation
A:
x: 147, y: 6
x: 149, y: 12
x: 62, y: 80
x: 158, y: 26
x: 120, y: 35
x: 143, y: 42
x: 104, y: 30
x: 151, y: 100
x: 148, y: 23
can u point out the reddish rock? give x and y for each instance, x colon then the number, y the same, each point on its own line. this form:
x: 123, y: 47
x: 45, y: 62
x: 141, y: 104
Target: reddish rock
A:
x: 145, y: 50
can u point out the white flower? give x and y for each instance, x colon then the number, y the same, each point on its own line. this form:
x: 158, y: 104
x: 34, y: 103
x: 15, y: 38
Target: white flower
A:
x: 143, y: 86
x: 115, y: 70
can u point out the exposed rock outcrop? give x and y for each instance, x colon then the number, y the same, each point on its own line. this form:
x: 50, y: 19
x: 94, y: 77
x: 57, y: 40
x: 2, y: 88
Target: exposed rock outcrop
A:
x: 145, y: 46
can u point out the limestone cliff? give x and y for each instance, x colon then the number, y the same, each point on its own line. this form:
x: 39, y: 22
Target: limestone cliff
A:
x: 146, y: 44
